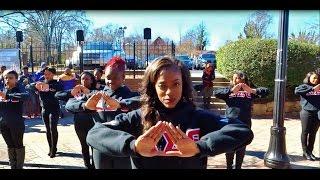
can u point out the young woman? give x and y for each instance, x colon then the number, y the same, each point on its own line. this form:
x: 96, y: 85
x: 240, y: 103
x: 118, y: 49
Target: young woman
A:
x: 119, y: 98
x: 83, y: 121
x: 167, y: 131
x: 207, y: 77
x: 11, y: 120
x: 50, y: 106
x: 98, y: 72
x: 309, y: 93
x: 240, y: 95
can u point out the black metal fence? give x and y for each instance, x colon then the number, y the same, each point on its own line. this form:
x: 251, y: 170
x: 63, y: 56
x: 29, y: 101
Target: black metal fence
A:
x: 95, y: 54
x: 138, y: 56
x: 34, y: 54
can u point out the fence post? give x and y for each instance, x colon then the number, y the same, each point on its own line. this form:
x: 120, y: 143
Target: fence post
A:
x: 134, y: 59
x: 173, y: 48
x: 81, y: 56
x: 147, y: 52
x: 31, y: 57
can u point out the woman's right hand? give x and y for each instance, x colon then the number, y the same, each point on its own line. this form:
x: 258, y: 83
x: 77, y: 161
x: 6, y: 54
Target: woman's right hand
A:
x: 185, y: 146
x: 41, y: 86
x: 2, y: 95
x: 145, y: 144
x: 92, y: 102
x: 78, y: 89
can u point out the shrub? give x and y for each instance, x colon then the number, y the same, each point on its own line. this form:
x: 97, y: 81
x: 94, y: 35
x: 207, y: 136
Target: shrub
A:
x: 257, y: 58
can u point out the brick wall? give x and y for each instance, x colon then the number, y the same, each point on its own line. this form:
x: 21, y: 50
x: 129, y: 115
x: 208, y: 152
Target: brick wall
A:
x: 133, y: 84
x: 290, y: 107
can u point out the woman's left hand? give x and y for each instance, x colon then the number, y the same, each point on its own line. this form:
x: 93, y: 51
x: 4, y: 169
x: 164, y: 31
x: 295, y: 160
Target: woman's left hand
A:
x: 186, y: 147
x: 2, y: 95
x: 112, y: 103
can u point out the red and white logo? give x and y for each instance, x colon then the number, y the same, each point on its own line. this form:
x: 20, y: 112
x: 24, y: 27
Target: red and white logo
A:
x: 241, y: 94
x: 166, y: 144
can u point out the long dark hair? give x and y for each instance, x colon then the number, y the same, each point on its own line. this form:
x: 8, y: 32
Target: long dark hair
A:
x: 243, y: 76
x: 149, y: 97
x: 306, y: 80
x: 93, y: 79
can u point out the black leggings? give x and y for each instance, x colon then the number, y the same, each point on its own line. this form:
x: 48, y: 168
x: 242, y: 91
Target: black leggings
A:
x: 310, y: 125
x: 82, y: 127
x: 12, y: 136
x: 240, y: 153
x: 50, y: 119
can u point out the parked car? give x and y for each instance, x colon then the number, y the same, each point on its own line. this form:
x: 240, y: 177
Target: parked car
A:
x: 131, y: 61
x: 186, y: 60
x: 203, y: 59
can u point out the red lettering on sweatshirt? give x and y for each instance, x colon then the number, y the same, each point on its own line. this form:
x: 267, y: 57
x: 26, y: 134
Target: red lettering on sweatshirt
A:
x: 241, y: 94
x: 193, y: 134
x: 313, y: 93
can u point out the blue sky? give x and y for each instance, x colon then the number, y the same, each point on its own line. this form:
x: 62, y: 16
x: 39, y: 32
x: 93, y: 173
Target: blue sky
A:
x: 221, y: 25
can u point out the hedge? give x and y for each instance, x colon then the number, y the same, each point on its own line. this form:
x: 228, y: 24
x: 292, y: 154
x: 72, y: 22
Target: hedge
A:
x: 257, y: 58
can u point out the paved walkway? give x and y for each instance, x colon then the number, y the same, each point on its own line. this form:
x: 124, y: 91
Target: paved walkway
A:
x: 69, y: 150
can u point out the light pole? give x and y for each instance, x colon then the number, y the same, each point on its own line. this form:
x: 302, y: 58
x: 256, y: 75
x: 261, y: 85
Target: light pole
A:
x: 122, y: 29
x: 276, y: 156
x: 19, y: 38
x: 80, y: 39
x: 147, y: 36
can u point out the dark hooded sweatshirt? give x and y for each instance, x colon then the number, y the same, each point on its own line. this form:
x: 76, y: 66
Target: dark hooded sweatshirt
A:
x: 241, y: 100
x: 212, y: 134
x: 310, y: 99
x: 11, y: 108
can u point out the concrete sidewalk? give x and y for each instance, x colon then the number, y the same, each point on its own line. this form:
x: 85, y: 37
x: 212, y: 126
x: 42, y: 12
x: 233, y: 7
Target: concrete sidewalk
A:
x: 260, y: 144
x: 69, y: 150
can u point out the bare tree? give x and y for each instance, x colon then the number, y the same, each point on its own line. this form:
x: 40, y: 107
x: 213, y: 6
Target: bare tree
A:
x: 305, y: 36
x: 10, y: 21
x: 196, y: 38
x: 257, y: 25
x: 186, y: 47
x: 240, y: 36
x: 66, y: 28
x: 135, y: 37
x: 7, y: 39
x: 12, y: 18
x: 108, y: 33
x: 50, y: 24
x: 202, y: 36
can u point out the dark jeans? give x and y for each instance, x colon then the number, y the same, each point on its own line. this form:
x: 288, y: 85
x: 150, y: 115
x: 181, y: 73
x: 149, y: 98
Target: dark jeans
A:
x: 50, y: 119
x: 102, y: 161
x: 310, y: 125
x: 12, y: 136
x: 82, y: 127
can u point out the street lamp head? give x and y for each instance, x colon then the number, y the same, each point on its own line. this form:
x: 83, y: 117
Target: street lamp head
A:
x: 19, y: 36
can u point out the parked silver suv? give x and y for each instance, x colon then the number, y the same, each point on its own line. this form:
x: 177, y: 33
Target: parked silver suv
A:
x: 186, y: 60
